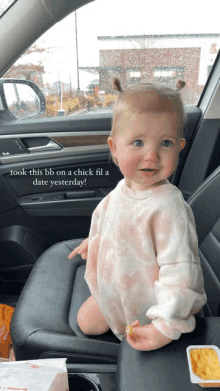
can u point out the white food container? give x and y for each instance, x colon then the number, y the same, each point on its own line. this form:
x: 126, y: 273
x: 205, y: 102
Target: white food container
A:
x: 196, y: 379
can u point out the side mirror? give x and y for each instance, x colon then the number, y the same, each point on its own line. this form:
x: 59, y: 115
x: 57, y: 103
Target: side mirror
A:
x: 20, y: 99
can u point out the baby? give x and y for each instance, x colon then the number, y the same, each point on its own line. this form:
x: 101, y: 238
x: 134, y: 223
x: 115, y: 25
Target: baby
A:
x: 143, y: 267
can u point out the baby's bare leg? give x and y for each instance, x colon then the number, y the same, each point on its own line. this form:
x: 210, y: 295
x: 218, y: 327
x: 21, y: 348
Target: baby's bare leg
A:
x: 90, y: 319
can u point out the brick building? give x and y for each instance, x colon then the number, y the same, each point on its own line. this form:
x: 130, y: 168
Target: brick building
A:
x: 160, y: 58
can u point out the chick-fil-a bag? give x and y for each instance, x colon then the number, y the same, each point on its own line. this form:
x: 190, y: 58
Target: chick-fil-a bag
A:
x: 6, y: 312
x: 34, y: 375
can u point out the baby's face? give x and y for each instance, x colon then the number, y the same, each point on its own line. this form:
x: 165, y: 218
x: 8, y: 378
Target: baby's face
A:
x: 147, y: 141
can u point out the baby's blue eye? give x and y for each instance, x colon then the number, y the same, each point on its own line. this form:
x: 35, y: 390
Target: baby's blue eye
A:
x: 168, y: 141
x: 142, y: 141
x: 138, y: 140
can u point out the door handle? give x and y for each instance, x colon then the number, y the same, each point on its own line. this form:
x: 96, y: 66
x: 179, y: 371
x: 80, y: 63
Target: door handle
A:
x: 51, y: 146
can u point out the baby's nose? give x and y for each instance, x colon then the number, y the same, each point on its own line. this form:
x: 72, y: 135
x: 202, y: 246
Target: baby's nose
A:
x: 151, y: 154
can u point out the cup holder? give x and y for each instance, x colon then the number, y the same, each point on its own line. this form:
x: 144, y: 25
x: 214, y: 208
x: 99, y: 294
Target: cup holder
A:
x: 82, y: 383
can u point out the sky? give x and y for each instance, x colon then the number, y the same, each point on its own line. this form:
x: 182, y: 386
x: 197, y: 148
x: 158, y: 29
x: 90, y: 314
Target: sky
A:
x: 116, y: 17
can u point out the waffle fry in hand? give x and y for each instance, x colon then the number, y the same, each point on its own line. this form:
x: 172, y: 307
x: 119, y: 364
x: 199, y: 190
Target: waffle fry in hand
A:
x: 129, y: 330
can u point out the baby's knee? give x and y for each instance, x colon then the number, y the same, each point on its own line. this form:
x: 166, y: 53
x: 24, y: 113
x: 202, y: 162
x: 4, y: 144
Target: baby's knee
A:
x: 91, y: 323
x: 90, y: 329
x: 81, y: 320
x: 84, y: 322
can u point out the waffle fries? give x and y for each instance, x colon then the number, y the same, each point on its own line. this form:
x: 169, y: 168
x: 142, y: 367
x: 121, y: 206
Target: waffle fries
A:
x: 129, y: 330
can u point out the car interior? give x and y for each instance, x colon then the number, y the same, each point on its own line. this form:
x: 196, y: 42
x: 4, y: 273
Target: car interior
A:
x: 41, y: 225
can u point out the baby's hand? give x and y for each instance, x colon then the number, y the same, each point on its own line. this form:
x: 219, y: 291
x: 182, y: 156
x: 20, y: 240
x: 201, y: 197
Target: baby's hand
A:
x: 146, y: 337
x: 82, y: 249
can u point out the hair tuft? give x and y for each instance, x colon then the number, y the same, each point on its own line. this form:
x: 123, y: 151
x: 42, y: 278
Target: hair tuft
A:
x: 180, y: 84
x: 117, y: 84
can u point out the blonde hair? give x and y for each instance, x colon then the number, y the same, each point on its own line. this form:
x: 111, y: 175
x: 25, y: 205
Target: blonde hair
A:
x: 147, y: 98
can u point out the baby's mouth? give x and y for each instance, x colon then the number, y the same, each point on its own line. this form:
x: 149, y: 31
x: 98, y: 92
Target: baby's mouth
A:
x: 147, y: 169
x: 147, y: 172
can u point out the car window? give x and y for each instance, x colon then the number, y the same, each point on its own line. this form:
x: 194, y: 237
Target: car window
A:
x: 75, y: 61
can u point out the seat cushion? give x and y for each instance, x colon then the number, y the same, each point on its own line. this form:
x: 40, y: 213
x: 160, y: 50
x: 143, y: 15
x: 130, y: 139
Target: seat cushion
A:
x: 80, y: 294
x: 44, y: 323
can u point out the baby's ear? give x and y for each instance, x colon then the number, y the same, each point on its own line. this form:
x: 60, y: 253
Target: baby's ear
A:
x: 111, y: 144
x: 182, y: 143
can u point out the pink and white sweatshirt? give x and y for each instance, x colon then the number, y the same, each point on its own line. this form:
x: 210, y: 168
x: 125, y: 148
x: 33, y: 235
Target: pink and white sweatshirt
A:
x: 143, y: 260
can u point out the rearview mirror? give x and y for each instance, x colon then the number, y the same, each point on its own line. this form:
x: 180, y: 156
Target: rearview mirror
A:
x: 20, y: 99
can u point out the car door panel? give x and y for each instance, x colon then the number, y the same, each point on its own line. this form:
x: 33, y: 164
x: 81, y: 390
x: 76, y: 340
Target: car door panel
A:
x: 64, y: 199
x: 49, y: 214
x: 79, y: 156
x: 34, y: 191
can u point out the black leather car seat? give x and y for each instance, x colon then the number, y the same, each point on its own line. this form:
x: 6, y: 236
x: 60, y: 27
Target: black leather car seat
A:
x: 44, y: 323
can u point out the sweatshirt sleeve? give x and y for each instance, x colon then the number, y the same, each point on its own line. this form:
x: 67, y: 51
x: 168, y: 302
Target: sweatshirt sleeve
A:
x: 95, y: 232
x: 180, y: 286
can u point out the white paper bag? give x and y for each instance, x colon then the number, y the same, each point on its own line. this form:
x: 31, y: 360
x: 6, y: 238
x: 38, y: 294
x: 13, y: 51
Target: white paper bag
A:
x: 34, y: 375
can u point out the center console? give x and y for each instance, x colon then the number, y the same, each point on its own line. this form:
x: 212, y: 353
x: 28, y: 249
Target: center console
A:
x: 91, y: 377
x: 165, y: 368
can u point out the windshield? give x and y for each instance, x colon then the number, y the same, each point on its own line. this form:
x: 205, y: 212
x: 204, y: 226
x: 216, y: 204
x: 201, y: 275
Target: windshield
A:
x: 74, y: 62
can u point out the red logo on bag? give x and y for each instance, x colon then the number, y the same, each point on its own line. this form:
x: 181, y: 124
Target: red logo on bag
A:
x: 12, y: 388
x: 34, y: 365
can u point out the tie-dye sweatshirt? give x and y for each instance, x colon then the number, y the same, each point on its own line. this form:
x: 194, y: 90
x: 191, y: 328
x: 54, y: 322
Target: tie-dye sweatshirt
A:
x: 143, y: 260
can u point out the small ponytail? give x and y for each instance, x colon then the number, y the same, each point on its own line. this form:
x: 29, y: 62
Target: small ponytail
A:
x: 117, y: 84
x: 180, y: 84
